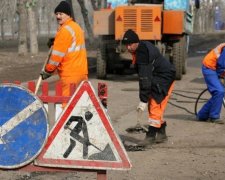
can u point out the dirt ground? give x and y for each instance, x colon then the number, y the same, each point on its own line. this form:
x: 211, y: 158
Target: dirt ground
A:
x: 194, y: 150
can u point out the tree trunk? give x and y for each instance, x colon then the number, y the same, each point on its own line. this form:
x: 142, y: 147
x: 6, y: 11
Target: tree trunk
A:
x: 12, y: 27
x: 103, y: 3
x: 49, y: 18
x: 94, y: 4
x: 22, y: 45
x: 86, y: 21
x: 32, y: 27
x: 2, y: 29
x: 211, y: 18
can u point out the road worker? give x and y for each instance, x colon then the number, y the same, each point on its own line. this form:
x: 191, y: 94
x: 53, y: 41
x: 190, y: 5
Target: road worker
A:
x: 69, y: 56
x: 213, y: 69
x: 156, y: 82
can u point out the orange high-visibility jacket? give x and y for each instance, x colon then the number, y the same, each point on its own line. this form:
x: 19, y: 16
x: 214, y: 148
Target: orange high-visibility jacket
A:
x: 69, y: 55
x: 210, y: 60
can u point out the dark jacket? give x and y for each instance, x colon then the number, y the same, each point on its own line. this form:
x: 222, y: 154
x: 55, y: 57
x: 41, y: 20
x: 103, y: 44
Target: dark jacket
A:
x: 156, y: 74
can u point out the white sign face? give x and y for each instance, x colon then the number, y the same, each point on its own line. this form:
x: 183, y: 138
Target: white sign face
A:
x: 83, y: 136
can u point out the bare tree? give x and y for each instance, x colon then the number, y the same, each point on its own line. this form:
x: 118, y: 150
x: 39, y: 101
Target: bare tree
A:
x: 22, y: 45
x: 102, y: 3
x: 2, y: 17
x: 86, y: 20
x: 210, y: 21
x: 205, y: 16
x: 51, y: 17
x: 7, y: 11
x: 94, y: 4
x: 31, y: 5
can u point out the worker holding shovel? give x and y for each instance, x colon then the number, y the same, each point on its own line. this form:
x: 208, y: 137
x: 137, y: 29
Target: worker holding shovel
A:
x: 69, y: 56
x: 156, y: 81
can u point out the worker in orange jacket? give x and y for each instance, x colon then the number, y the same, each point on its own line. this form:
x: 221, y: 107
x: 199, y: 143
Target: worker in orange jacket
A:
x: 213, y: 69
x: 69, y: 56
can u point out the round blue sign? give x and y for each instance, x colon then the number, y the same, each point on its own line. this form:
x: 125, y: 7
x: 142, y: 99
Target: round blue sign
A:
x: 23, y: 126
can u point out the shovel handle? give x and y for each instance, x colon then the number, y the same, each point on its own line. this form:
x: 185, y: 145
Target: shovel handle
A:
x: 38, y: 84
x: 40, y: 78
x: 67, y: 127
x: 139, y: 115
x: 139, y: 123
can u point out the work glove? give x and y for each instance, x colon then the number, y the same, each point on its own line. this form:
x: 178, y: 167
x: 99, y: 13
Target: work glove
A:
x: 141, y: 106
x: 45, y: 75
x: 50, y: 42
x: 222, y: 77
x: 222, y: 80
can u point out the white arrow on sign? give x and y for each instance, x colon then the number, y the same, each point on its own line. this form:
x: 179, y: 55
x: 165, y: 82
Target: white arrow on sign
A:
x: 17, y: 119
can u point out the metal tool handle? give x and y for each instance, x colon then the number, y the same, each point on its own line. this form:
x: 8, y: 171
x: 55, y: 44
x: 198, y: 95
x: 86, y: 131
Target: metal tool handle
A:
x: 68, y: 127
x: 139, y: 123
x: 40, y: 78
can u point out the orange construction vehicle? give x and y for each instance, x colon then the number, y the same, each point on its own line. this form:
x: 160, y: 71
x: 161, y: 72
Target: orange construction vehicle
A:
x: 167, y: 29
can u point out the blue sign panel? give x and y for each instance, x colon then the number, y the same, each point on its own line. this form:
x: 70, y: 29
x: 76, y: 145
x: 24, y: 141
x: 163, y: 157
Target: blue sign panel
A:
x: 23, y: 126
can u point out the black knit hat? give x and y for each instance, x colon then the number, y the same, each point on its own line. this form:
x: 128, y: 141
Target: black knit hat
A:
x: 63, y: 7
x: 130, y: 37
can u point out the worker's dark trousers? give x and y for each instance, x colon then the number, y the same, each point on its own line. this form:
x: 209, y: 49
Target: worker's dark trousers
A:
x: 212, y: 109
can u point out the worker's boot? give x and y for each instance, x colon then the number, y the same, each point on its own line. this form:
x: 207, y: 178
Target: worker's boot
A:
x: 149, y: 138
x: 161, y: 134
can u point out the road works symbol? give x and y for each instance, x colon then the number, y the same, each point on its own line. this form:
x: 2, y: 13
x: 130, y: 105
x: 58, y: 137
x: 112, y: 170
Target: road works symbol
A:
x: 23, y: 126
x: 83, y: 137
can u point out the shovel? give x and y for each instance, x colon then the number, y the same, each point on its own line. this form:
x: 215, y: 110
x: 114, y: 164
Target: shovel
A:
x: 43, y: 68
x: 138, y: 128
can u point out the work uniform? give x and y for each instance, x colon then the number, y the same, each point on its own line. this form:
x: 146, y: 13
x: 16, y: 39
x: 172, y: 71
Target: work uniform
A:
x: 156, y: 80
x: 69, y: 56
x: 213, y: 68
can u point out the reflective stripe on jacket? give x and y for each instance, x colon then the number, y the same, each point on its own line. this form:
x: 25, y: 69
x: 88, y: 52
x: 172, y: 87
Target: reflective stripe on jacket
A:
x: 210, y: 60
x: 69, y: 55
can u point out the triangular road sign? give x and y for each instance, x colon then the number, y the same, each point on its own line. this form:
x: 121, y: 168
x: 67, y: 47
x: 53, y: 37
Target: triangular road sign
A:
x: 83, y: 136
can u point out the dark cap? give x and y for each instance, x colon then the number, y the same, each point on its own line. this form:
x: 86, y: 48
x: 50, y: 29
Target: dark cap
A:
x: 63, y: 7
x: 130, y: 37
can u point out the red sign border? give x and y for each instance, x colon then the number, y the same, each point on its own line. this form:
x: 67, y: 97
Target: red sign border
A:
x: 88, y: 164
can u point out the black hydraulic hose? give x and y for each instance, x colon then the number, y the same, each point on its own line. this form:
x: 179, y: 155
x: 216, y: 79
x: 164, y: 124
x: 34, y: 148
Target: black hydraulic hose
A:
x: 197, y: 100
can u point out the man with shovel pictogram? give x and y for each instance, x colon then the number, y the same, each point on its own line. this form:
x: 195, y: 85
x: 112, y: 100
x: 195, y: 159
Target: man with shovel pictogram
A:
x: 81, y: 126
